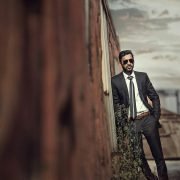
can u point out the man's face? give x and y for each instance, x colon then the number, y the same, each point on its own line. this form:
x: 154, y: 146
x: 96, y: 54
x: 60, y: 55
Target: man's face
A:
x: 127, y: 63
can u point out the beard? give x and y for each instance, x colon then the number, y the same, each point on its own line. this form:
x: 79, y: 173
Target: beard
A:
x: 128, y: 69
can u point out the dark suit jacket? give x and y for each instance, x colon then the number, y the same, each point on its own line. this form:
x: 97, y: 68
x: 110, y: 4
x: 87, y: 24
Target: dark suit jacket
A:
x: 145, y: 87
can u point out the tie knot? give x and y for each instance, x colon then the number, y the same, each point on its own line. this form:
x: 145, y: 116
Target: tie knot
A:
x: 130, y: 77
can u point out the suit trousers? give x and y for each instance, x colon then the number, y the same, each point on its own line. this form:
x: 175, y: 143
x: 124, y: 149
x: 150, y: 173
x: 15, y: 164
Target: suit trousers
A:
x: 148, y: 126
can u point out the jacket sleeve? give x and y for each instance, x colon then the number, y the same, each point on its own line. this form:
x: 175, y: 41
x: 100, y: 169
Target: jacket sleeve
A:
x: 115, y: 94
x: 153, y: 96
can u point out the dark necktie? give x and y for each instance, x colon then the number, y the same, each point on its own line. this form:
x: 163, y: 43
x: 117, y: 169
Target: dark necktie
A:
x: 132, y: 99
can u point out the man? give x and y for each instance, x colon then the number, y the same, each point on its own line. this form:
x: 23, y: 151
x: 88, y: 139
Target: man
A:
x: 132, y: 89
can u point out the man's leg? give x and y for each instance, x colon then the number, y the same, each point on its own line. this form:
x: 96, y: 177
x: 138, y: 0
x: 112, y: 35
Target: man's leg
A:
x: 144, y: 165
x: 151, y: 132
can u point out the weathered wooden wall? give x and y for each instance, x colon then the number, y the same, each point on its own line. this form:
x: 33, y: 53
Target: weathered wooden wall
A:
x: 52, y: 119
x: 75, y: 97
x: 20, y: 89
x: 114, y: 46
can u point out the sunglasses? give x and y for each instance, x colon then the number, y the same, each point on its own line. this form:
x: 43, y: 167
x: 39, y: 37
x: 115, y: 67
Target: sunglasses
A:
x: 130, y: 60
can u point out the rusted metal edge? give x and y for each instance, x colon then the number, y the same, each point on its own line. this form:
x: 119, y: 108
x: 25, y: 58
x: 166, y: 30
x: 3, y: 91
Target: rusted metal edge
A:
x: 110, y: 21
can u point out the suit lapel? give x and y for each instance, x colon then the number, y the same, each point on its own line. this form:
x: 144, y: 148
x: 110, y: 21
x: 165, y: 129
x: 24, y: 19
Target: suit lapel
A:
x: 138, y: 81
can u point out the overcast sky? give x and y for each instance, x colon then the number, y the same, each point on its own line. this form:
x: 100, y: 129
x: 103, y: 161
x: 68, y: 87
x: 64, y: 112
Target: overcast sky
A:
x: 152, y: 30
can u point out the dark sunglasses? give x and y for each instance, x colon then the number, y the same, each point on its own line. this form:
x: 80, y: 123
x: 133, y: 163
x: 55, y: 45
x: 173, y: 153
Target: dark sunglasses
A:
x: 130, y: 60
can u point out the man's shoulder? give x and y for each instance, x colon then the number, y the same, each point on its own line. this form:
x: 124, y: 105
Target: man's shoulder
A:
x: 117, y: 76
x: 140, y: 73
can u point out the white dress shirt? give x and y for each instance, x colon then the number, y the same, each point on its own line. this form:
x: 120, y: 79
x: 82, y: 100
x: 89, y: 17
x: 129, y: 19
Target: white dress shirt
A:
x: 139, y: 103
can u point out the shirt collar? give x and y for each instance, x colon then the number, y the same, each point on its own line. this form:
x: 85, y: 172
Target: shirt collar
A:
x: 126, y: 76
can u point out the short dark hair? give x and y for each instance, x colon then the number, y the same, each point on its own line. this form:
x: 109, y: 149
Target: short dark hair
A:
x: 124, y: 53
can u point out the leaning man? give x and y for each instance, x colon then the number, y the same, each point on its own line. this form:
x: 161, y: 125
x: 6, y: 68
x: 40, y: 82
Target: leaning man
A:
x: 132, y: 89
